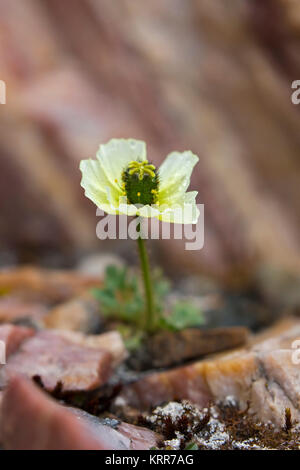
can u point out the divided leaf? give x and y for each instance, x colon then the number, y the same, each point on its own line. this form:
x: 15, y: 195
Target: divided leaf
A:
x: 121, y: 299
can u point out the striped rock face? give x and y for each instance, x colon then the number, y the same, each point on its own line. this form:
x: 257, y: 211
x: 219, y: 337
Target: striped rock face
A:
x: 160, y: 88
x: 264, y: 376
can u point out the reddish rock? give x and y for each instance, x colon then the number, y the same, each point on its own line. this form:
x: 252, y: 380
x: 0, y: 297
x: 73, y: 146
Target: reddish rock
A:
x: 45, y: 284
x: 30, y: 420
x: 13, y: 308
x: 81, y: 313
x: 13, y: 336
x: 130, y: 436
x: 279, y: 337
x: 55, y: 358
x: 181, y: 383
x: 264, y: 377
x: 111, y: 342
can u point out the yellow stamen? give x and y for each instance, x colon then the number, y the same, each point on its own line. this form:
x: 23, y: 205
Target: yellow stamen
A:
x: 149, y: 172
x: 141, y: 169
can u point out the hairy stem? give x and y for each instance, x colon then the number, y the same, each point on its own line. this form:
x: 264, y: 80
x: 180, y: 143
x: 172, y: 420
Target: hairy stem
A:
x: 145, y: 266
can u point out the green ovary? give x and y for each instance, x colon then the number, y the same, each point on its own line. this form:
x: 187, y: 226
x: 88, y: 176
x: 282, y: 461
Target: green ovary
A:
x: 140, y: 183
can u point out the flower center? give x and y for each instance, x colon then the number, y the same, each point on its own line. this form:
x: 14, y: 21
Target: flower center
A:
x: 140, y: 183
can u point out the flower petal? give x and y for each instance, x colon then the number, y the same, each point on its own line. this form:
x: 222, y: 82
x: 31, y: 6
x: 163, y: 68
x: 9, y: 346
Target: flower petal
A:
x: 115, y: 155
x: 96, y: 185
x: 124, y: 208
x: 181, y: 212
x: 149, y: 211
x: 175, y: 175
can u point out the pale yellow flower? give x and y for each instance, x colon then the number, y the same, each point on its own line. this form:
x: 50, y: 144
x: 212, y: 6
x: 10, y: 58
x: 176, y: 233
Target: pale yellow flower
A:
x: 122, y: 181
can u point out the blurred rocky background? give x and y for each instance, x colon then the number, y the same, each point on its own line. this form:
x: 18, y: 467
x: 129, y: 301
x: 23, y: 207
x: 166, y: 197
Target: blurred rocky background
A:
x: 208, y: 75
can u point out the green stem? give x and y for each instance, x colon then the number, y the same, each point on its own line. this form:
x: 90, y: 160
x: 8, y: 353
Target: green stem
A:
x: 145, y: 266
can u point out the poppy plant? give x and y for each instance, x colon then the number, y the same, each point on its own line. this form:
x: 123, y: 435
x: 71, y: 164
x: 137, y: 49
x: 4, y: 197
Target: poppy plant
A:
x: 122, y: 181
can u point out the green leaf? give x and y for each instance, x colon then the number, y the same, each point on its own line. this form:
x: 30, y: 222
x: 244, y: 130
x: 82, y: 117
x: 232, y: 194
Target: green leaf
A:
x: 134, y: 342
x: 120, y: 297
x: 161, y: 285
x: 184, y: 315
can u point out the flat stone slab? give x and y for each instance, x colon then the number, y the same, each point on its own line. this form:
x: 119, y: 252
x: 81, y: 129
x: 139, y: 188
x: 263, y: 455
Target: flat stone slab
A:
x: 111, y: 342
x: 30, y: 420
x: 166, y: 348
x: 54, y: 358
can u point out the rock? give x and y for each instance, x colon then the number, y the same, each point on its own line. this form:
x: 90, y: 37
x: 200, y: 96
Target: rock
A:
x: 1, y: 399
x: 79, y: 314
x: 111, y: 341
x: 54, y: 359
x: 263, y: 377
x: 30, y: 420
x: 280, y: 336
x: 44, y: 284
x: 133, y: 437
x: 14, y: 309
x: 13, y: 336
x: 159, y: 387
x: 166, y: 348
x: 277, y: 332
